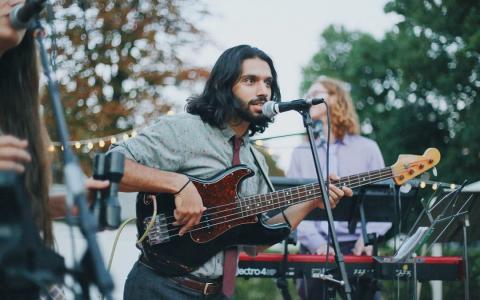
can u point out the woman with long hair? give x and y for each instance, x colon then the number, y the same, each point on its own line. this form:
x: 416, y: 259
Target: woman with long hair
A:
x: 23, y: 135
x: 350, y: 153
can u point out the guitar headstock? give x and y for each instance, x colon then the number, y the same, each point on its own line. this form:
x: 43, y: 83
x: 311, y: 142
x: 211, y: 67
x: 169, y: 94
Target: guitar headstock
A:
x: 409, y: 166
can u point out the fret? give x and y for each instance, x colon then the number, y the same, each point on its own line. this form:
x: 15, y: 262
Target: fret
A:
x: 258, y: 204
x: 241, y: 204
x: 282, y: 198
x: 287, y: 197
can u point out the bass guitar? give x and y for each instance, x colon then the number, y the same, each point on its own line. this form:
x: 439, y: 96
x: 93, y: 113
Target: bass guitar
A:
x: 230, y: 220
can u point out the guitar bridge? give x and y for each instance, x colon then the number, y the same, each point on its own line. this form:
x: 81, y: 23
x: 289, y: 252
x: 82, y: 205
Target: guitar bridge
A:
x: 159, y: 232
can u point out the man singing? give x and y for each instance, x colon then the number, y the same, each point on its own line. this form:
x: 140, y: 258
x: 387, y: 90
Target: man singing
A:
x: 212, y: 136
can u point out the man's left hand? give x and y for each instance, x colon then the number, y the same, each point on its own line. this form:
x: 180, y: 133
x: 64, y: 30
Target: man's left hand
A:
x: 335, y: 193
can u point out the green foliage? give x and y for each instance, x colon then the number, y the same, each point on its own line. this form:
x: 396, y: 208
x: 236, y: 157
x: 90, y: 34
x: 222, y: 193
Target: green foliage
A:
x: 256, y: 288
x: 417, y: 86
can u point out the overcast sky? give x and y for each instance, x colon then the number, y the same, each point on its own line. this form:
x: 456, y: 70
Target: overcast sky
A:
x: 289, y: 32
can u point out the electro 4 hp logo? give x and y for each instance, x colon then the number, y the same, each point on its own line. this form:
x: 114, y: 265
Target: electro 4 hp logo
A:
x: 256, y: 272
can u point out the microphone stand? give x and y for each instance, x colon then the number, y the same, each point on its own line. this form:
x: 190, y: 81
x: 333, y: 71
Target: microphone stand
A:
x: 92, y: 266
x: 307, y: 121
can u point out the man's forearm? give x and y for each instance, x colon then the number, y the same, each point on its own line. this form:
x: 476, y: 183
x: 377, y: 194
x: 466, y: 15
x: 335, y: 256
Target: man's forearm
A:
x: 294, y: 214
x: 138, y: 178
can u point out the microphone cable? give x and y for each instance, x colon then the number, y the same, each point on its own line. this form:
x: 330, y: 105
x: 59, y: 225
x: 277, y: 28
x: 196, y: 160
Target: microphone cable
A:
x: 327, y: 195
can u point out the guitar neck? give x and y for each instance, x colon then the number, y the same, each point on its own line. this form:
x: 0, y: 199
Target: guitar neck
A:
x: 254, y: 205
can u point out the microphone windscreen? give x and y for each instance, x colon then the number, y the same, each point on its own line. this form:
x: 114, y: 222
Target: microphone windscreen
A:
x: 268, y: 109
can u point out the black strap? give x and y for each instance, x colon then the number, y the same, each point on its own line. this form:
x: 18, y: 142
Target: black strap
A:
x: 262, y: 170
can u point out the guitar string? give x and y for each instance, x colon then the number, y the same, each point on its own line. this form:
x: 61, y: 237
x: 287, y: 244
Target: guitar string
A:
x: 353, y: 179
x: 348, y: 179
x: 281, y: 204
x: 213, y: 210
x: 339, y: 183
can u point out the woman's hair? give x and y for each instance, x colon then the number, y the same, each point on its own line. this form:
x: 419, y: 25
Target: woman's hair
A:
x: 20, y: 117
x: 344, y: 117
x: 217, y: 105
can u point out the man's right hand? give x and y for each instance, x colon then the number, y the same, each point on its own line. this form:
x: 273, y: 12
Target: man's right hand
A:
x: 189, y: 207
x: 13, y: 154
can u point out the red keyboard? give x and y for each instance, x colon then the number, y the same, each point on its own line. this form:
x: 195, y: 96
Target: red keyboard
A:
x: 311, y: 266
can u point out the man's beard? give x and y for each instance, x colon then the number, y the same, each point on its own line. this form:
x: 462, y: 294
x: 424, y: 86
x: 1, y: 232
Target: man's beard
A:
x: 245, y: 114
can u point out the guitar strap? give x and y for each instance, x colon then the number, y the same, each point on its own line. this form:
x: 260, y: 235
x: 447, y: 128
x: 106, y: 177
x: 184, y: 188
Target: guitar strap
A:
x: 262, y: 169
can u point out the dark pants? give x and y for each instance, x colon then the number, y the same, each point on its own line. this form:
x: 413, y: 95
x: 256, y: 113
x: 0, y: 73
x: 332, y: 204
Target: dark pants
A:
x: 315, y: 289
x: 144, y: 283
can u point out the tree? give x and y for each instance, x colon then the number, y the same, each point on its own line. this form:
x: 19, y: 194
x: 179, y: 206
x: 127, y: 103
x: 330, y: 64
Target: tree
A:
x: 116, y: 58
x: 449, y: 76
x: 417, y: 87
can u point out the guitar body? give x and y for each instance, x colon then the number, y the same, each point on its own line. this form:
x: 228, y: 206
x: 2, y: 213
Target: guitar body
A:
x: 225, y: 223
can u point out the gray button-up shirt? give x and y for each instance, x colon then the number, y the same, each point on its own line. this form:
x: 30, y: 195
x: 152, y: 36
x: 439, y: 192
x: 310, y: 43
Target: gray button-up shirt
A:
x: 185, y: 144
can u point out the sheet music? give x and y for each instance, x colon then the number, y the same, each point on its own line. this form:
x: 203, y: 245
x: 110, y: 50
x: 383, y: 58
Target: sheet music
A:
x: 409, y: 244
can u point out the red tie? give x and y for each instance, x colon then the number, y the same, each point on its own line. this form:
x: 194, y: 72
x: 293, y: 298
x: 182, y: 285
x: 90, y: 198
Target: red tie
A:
x: 230, y: 255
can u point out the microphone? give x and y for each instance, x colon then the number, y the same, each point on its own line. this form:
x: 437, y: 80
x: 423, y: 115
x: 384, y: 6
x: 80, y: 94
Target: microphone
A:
x: 23, y: 14
x: 98, y: 206
x: 106, y: 207
x: 114, y: 173
x: 271, y: 108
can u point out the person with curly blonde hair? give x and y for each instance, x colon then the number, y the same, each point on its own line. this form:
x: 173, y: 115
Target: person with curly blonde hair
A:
x: 350, y: 153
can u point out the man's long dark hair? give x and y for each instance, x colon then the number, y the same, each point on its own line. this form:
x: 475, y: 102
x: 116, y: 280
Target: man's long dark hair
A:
x: 217, y: 105
x: 20, y: 117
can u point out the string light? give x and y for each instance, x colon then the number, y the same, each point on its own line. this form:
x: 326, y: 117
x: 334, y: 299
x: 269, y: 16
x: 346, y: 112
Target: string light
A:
x: 90, y: 143
x: 453, y: 186
x: 423, y: 184
x: 434, y: 186
x: 103, y: 141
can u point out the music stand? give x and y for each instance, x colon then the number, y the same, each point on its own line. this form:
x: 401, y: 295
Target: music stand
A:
x: 450, y: 214
x: 440, y: 219
x: 363, y: 205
